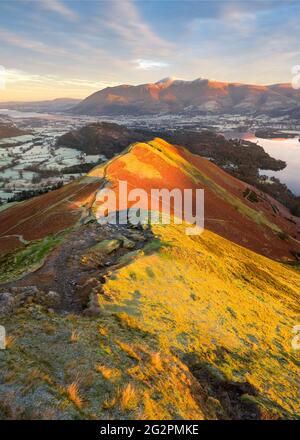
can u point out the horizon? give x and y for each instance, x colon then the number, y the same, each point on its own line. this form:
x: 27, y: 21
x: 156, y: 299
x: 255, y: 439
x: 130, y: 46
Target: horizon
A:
x: 58, y: 48
x: 127, y: 84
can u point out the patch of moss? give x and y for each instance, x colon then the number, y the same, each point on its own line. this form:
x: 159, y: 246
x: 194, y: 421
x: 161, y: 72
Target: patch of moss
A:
x: 20, y: 262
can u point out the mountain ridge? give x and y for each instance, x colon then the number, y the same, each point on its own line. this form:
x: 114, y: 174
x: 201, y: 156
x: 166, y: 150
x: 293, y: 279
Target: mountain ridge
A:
x: 200, y: 95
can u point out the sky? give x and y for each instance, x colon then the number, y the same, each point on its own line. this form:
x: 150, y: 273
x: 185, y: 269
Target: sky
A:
x: 68, y: 48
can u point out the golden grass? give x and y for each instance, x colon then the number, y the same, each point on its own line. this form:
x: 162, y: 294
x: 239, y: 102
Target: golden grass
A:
x: 211, y: 296
x: 103, y: 331
x: 138, y: 167
x: 129, y: 321
x: 109, y: 403
x: 128, y: 349
x: 107, y: 373
x: 73, y: 394
x: 74, y: 337
x: 9, y: 341
x: 128, y: 397
x: 156, y: 362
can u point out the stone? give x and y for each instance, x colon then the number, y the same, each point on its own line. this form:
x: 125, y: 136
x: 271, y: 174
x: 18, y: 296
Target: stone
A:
x: 52, y: 299
x: 6, y: 302
x: 128, y: 244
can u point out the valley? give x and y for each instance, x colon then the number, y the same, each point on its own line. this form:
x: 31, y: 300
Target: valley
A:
x: 37, y: 162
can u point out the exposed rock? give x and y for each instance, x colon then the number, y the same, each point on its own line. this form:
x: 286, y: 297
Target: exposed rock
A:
x: 128, y: 244
x: 6, y: 303
x: 51, y: 299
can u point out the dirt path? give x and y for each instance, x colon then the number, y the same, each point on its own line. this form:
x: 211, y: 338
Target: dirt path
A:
x: 64, y: 273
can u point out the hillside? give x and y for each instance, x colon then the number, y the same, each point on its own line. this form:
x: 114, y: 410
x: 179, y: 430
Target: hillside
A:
x: 147, y: 322
x: 8, y: 130
x: 198, y: 96
x: 242, y: 159
x: 51, y: 105
x: 101, y: 138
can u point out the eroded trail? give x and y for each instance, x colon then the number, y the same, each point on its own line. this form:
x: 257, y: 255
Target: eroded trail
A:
x: 81, y: 263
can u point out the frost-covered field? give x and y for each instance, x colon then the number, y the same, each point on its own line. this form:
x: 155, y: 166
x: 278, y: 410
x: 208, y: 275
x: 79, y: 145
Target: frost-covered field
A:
x: 33, y: 161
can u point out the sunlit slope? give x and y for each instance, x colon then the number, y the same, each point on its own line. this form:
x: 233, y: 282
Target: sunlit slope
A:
x: 216, y: 305
x: 262, y: 226
x: 51, y: 213
x: 188, y: 327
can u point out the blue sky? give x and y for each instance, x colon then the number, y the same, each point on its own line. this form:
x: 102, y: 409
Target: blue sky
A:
x: 54, y: 48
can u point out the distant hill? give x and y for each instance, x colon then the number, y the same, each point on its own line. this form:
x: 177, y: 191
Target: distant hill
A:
x: 198, y: 96
x: 102, y: 138
x: 54, y: 105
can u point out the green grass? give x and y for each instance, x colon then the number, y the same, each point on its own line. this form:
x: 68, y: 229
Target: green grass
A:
x: 20, y: 262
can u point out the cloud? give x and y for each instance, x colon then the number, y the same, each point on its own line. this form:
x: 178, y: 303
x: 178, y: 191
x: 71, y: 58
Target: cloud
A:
x: 25, y: 43
x: 124, y: 20
x: 59, y: 8
x: 150, y: 64
x: 14, y: 76
x: 238, y: 19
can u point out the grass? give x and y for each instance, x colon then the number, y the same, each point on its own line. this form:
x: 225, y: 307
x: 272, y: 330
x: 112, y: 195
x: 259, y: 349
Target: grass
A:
x: 108, y: 373
x: 199, y: 177
x: 20, y: 262
x: 228, y: 281
x: 74, y: 337
x: 156, y: 361
x: 183, y: 319
x: 129, y: 350
x: 73, y: 394
x: 128, y: 398
x: 9, y: 341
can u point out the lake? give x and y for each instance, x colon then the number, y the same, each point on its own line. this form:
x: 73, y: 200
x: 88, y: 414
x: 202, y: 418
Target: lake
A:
x: 287, y: 150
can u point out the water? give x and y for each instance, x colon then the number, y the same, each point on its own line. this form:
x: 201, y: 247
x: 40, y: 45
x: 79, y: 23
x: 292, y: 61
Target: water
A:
x: 287, y: 150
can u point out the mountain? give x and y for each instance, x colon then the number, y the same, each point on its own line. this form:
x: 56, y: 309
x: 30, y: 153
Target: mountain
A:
x: 124, y: 321
x: 201, y: 95
x: 241, y: 159
x: 54, y: 105
x: 104, y: 138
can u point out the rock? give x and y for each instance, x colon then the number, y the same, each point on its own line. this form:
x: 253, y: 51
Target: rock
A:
x: 51, y: 299
x: 6, y: 303
x: 128, y: 244
x: 107, y: 246
x: 25, y: 290
x: 137, y: 236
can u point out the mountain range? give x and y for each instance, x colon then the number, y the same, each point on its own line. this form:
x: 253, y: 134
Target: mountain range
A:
x: 143, y: 321
x: 198, y: 96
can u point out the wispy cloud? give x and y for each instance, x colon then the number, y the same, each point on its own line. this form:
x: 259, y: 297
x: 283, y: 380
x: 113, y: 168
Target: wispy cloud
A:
x: 14, y: 76
x: 26, y: 43
x: 150, y: 64
x: 58, y: 7
x: 124, y: 20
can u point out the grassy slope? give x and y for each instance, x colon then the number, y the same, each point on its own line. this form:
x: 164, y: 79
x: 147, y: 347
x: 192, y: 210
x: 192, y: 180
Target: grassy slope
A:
x: 181, y: 326
x: 184, y: 303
